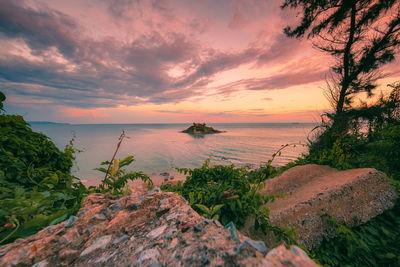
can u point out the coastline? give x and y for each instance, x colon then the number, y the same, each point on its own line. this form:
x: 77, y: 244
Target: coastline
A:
x: 159, y: 148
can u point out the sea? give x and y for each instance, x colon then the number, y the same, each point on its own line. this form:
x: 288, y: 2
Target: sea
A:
x: 160, y: 148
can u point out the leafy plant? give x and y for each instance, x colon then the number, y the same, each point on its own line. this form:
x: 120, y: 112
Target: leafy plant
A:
x: 2, y: 99
x: 375, y: 243
x: 267, y: 170
x: 116, y: 178
x: 372, y: 139
x: 210, y: 213
x: 340, y: 29
x: 214, y: 185
x: 228, y: 193
x: 36, y: 187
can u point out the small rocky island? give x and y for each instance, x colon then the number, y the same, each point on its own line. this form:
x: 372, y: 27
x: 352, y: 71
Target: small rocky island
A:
x: 201, y: 128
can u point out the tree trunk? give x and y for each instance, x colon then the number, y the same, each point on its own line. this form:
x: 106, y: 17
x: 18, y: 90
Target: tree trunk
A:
x: 338, y: 121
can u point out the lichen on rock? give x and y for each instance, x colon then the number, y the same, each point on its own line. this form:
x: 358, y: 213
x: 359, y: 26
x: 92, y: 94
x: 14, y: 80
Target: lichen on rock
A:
x: 142, y: 229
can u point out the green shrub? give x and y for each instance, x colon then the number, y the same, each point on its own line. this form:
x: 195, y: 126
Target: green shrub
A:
x: 116, y: 179
x: 214, y: 185
x: 36, y: 187
x: 226, y: 193
x: 371, y: 140
x: 200, y: 128
x: 375, y: 243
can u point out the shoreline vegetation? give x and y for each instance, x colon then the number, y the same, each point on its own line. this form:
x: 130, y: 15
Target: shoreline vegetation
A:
x: 201, y: 128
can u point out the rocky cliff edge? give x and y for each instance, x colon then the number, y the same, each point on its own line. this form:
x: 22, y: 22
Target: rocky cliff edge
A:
x: 150, y: 228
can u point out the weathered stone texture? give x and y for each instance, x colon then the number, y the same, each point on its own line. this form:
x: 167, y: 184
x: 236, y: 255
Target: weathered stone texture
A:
x: 313, y: 191
x: 143, y: 229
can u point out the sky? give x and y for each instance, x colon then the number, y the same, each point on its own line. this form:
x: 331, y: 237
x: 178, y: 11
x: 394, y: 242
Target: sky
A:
x: 159, y: 61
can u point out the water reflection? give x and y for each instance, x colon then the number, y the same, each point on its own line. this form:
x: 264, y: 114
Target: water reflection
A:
x: 196, y: 136
x: 158, y: 148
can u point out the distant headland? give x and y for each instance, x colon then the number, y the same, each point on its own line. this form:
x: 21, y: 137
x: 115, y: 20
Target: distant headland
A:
x: 201, y: 128
x: 47, y: 122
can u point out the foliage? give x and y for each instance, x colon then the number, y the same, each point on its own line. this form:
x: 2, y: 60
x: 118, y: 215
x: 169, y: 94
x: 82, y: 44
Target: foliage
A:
x: 226, y: 193
x: 200, y: 128
x: 36, y: 187
x: 213, y: 185
x: 375, y: 243
x: 362, y: 35
x: 117, y: 178
x: 267, y: 170
x: 210, y: 213
x: 2, y: 98
x: 371, y: 139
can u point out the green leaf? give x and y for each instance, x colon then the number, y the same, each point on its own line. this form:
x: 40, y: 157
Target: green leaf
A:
x: 59, y: 219
x: 38, y: 221
x: 100, y: 169
x: 5, y: 189
x: 2, y: 97
x: 191, y: 198
x: 18, y: 192
x: 216, y: 208
x: 3, y: 213
x: 239, y: 203
x: 62, y: 196
x: 390, y: 256
x: 126, y: 161
x: 203, y: 208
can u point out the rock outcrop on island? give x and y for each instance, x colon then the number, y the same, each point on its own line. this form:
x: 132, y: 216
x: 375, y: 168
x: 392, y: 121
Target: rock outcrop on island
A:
x: 144, y: 229
x: 201, y: 128
x: 313, y: 193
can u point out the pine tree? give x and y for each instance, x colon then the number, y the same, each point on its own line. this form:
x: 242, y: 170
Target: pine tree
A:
x: 362, y: 35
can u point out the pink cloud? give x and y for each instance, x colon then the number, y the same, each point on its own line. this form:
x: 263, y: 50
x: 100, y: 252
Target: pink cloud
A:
x: 83, y: 113
x: 91, y: 61
x: 239, y: 20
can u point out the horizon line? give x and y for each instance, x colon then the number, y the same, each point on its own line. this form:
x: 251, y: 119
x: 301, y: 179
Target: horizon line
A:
x: 166, y: 123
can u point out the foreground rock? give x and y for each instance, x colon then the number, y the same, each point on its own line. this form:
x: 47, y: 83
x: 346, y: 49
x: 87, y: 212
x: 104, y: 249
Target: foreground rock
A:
x: 144, y: 229
x: 313, y: 191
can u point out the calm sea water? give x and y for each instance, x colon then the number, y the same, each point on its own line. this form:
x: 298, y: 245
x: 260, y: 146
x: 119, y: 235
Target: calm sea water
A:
x: 161, y: 147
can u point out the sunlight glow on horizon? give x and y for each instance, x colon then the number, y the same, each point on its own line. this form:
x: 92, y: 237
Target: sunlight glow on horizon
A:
x: 170, y: 61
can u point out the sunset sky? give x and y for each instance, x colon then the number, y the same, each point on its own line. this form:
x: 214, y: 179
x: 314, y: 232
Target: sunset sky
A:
x: 132, y: 61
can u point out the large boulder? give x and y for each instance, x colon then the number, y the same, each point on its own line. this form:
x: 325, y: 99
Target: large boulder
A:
x: 313, y: 193
x: 144, y: 229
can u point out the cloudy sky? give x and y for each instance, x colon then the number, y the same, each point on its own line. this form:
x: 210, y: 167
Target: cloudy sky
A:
x: 158, y: 61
